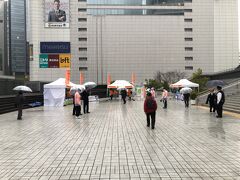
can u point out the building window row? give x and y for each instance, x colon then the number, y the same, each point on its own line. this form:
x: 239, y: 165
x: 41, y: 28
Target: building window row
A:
x: 81, y: 49
x: 188, y: 1
x: 189, y: 68
x: 83, y: 68
x: 162, y: 12
x: 188, y: 29
x: 188, y: 48
x: 82, y: 10
x: 82, y: 39
x: 82, y: 0
x: 82, y: 58
x: 188, y: 20
x: 188, y: 39
x: 82, y: 19
x: 188, y: 58
x: 82, y: 29
x: 137, y: 2
x: 187, y: 10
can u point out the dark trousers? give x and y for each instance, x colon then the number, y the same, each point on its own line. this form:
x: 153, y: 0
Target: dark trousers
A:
x: 124, y: 100
x: 85, y: 106
x: 165, y: 103
x: 19, y: 112
x: 219, y: 109
x: 151, y: 115
x: 212, y: 107
x: 186, y: 101
x: 78, y: 110
x: 111, y: 97
x: 74, y: 109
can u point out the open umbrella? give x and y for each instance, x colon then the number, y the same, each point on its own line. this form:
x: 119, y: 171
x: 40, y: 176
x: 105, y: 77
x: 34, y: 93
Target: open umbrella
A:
x: 90, y: 85
x: 79, y: 88
x: 22, y: 88
x: 186, y: 90
x: 215, y: 83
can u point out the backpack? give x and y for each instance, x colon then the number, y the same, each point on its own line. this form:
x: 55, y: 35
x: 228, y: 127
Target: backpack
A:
x: 150, y: 104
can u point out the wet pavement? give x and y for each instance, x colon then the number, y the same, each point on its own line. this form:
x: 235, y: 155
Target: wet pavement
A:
x: 113, y: 142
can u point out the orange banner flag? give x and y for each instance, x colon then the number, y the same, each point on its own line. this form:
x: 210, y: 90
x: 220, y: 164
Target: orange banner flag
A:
x: 67, y: 77
x: 81, y: 78
x: 109, y: 79
x: 133, y: 78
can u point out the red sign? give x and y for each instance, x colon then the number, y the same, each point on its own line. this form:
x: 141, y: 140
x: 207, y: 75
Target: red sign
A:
x: 53, y: 61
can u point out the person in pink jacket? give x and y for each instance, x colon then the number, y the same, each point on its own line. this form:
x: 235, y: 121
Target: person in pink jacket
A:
x: 77, y: 101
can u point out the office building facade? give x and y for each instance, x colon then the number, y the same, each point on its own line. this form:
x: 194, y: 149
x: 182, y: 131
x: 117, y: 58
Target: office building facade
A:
x: 119, y: 37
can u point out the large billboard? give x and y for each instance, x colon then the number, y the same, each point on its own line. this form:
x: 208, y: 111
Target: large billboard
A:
x: 56, y: 13
x: 55, y: 47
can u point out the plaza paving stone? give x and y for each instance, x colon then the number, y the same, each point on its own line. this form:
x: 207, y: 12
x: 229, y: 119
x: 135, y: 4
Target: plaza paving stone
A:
x: 113, y: 142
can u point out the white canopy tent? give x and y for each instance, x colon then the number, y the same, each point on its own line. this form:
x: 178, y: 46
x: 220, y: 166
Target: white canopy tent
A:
x: 120, y: 83
x: 54, y: 93
x: 184, y: 83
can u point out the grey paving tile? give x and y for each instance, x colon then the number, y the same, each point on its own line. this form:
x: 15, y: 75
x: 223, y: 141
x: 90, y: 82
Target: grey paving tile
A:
x: 113, y: 142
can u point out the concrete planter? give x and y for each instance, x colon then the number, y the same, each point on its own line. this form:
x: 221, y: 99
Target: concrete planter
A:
x: 193, y: 102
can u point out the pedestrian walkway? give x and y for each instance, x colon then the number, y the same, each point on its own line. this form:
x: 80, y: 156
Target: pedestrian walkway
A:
x: 113, y: 142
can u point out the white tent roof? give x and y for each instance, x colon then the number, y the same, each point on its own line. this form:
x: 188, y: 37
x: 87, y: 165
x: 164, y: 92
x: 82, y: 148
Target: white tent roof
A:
x: 120, y: 83
x: 59, y: 83
x: 184, y: 83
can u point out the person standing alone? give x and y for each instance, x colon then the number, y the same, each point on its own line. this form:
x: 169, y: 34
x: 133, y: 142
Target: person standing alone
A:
x: 164, y: 98
x: 150, y: 107
x: 19, y: 103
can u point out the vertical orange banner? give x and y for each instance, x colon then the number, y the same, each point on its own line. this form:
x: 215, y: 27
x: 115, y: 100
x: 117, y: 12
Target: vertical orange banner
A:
x: 81, y: 78
x: 67, y: 77
x: 133, y: 78
x: 109, y: 79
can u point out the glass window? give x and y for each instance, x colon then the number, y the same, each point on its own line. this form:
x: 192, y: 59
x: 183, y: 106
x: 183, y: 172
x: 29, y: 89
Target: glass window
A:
x: 188, y: 68
x: 83, y: 68
x: 82, y: 19
x: 82, y: 29
x: 168, y: 12
x: 188, y: 58
x: 82, y: 39
x: 188, y: 39
x: 82, y: 58
x: 188, y: 48
x: 188, y: 29
x: 188, y: 20
x: 138, y: 2
x: 82, y: 49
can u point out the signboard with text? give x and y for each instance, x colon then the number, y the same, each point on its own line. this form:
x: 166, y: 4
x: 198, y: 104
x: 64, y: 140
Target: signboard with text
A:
x: 55, y: 60
x: 55, y: 47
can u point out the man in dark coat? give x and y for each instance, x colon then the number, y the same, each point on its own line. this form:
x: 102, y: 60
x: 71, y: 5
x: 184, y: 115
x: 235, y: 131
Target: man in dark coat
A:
x: 220, y: 101
x: 212, y: 100
x: 19, y: 103
x: 124, y: 95
x: 57, y: 15
x: 186, y: 99
x: 85, y: 99
x: 150, y: 107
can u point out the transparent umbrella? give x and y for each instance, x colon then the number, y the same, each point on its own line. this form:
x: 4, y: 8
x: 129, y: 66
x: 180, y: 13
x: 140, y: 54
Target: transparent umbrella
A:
x: 186, y: 90
x: 90, y: 85
x: 22, y: 88
x: 79, y: 88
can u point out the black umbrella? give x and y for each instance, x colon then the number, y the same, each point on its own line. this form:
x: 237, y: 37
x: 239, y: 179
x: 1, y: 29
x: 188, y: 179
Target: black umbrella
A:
x: 215, y: 83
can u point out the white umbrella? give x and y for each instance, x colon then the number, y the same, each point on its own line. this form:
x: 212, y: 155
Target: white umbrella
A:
x: 90, y: 85
x: 22, y: 88
x: 185, y: 90
x: 75, y: 88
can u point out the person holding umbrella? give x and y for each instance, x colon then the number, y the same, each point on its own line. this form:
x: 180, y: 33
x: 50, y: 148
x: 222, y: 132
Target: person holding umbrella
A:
x: 19, y: 103
x: 186, y: 95
x: 220, y: 101
x: 85, y: 95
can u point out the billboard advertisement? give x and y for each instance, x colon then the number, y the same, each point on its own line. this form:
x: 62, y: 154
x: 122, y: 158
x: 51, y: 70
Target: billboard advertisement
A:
x: 55, y: 47
x: 55, y: 60
x: 56, y: 13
